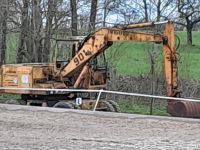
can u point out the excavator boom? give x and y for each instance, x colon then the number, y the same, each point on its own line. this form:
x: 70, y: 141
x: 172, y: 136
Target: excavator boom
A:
x: 101, y: 40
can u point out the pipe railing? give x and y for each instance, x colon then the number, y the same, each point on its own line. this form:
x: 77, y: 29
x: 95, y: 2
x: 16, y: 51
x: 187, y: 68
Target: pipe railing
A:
x: 54, y: 91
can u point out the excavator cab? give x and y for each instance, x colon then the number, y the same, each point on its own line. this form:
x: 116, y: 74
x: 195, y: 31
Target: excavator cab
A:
x: 60, y: 64
x: 98, y: 68
x: 71, y: 53
x: 100, y: 72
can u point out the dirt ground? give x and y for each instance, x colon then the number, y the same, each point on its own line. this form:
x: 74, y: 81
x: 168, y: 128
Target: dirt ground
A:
x: 24, y: 127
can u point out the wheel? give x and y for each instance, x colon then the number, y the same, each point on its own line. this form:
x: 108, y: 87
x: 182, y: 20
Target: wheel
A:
x: 15, y: 102
x: 73, y: 104
x: 22, y: 102
x: 63, y: 105
x: 105, y: 106
x: 51, y: 103
x: 115, y: 105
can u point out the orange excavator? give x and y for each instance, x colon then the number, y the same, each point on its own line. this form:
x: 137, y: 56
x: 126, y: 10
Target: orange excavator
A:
x: 82, y: 72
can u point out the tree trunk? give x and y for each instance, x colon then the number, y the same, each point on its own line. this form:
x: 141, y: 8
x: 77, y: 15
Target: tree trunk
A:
x: 152, y: 74
x: 22, y: 51
x: 189, y: 35
x: 36, y: 26
x: 3, y: 29
x: 146, y: 11
x: 48, y: 31
x: 105, y: 12
x: 74, y: 18
x: 93, y: 12
x: 158, y: 10
x: 104, y: 17
x: 91, y: 27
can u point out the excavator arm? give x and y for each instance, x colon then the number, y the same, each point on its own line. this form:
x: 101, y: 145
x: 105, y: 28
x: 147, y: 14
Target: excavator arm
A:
x: 103, y: 38
x: 82, y: 75
x: 170, y: 61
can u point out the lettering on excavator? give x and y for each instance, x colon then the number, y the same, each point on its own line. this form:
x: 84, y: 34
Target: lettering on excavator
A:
x: 79, y: 58
x: 124, y: 33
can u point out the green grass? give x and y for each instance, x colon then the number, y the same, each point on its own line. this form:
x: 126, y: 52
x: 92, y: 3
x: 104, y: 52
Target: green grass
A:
x: 183, y: 37
x: 131, y: 58
x: 12, y: 44
x: 129, y: 107
x: 5, y: 97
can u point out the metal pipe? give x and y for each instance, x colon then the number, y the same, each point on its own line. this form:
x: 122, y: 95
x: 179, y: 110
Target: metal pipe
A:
x: 141, y: 25
x: 97, y: 101
x: 161, y: 22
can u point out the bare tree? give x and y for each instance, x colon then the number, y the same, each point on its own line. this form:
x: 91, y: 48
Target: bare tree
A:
x: 107, y: 6
x: 48, y: 30
x: 146, y: 10
x: 158, y: 10
x: 36, y: 26
x: 105, y: 11
x: 189, y: 15
x: 3, y: 29
x: 31, y: 25
x: 22, y: 51
x: 155, y: 10
x: 93, y: 12
x: 74, y: 18
x: 164, y: 9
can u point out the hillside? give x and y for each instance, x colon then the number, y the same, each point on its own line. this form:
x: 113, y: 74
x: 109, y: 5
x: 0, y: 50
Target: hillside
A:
x: 131, y: 58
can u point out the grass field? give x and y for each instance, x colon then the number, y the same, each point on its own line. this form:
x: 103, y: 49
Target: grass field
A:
x: 129, y: 107
x: 131, y: 58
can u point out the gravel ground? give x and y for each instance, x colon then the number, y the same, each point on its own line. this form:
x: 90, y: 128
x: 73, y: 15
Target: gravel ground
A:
x: 25, y: 127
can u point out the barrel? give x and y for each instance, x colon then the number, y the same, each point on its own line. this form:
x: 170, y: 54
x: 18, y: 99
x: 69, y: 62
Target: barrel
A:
x: 184, y: 109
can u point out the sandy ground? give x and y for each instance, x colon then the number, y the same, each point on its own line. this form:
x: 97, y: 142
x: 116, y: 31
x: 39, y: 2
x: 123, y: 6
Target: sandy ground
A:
x: 24, y: 127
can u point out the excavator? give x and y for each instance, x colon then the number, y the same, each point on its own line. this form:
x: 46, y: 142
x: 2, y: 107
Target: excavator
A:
x: 81, y: 71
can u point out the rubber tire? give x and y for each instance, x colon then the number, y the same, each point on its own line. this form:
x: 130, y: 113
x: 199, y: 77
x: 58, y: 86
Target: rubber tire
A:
x: 51, y: 103
x: 63, y: 105
x: 109, y: 108
x: 73, y: 104
x: 115, y: 105
x: 22, y: 102
x: 15, y: 102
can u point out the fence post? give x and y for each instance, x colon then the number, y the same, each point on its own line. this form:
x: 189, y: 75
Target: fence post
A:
x: 97, y: 101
